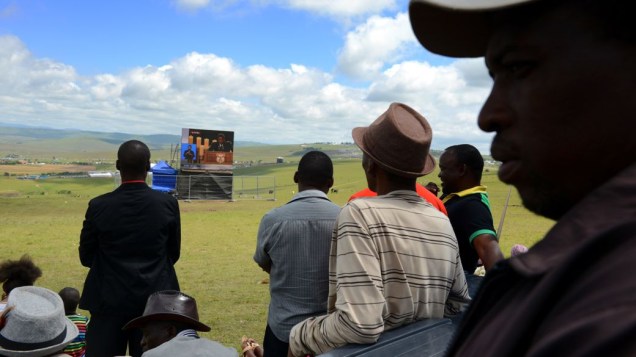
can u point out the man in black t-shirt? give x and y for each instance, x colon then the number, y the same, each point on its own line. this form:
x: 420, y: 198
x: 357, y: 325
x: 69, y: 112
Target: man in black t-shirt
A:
x: 466, y: 201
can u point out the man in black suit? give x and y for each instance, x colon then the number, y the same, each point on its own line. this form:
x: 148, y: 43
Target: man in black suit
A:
x: 130, y: 240
x: 220, y: 144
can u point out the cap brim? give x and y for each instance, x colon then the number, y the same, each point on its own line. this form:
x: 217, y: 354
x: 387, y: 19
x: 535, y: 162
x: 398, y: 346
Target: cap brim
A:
x: 358, y: 133
x: 71, y: 334
x: 142, y: 321
x: 455, y: 28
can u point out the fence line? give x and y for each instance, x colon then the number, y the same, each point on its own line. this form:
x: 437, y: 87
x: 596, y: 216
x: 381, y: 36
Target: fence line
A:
x: 215, y: 187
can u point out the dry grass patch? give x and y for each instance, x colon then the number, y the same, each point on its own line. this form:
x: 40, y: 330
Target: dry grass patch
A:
x: 9, y: 194
x: 32, y: 169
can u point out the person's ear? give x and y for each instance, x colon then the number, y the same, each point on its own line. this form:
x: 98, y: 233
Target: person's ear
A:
x: 172, y: 331
x: 117, y: 165
x: 372, y: 167
x: 329, y: 183
x: 147, y: 166
x: 463, y: 169
x: 296, y: 177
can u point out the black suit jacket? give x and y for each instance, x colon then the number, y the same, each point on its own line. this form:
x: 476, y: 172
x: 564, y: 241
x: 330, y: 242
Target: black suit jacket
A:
x: 226, y: 146
x: 130, y: 240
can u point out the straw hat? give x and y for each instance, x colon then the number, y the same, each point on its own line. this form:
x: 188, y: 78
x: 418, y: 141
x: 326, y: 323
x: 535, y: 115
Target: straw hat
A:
x: 34, y: 323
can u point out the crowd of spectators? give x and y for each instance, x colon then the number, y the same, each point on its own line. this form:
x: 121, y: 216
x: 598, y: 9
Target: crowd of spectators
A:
x: 395, y: 254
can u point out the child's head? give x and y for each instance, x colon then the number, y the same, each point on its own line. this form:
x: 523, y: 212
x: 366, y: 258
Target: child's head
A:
x: 70, y: 297
x: 16, y: 273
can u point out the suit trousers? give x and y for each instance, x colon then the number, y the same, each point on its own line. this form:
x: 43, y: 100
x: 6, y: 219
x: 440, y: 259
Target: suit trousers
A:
x: 105, y: 338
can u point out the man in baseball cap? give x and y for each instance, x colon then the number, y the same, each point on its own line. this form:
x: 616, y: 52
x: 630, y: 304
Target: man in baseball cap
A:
x: 394, y: 257
x: 562, y: 106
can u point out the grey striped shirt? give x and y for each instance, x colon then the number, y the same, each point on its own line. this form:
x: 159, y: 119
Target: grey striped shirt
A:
x: 293, y: 241
x: 394, y: 259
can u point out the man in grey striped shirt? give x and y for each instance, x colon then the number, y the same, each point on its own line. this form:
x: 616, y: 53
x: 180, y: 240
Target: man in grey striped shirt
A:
x: 293, y: 247
x: 394, y: 258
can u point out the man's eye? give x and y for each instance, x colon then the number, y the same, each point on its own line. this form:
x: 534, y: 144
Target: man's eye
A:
x: 518, y: 68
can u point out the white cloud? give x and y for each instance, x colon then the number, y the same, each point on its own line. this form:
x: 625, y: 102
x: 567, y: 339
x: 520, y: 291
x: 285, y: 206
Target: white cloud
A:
x: 371, y: 45
x: 338, y: 9
x: 276, y: 105
x: 342, y: 9
x: 191, y: 5
x: 448, y: 96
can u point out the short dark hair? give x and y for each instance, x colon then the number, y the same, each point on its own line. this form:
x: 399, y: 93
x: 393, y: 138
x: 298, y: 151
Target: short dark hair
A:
x: 133, y: 156
x: 315, y: 168
x: 471, y: 157
x: 400, y: 179
x: 70, y: 297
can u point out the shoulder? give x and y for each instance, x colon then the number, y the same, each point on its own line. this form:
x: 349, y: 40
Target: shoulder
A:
x: 161, y: 196
x: 273, y: 215
x: 360, y: 204
x: 183, y: 345
x: 472, y: 202
x: 77, y: 318
x: 595, y: 309
x: 393, y: 203
x: 103, y: 198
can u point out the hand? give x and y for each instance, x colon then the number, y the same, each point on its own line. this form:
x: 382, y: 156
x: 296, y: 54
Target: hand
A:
x: 251, y: 348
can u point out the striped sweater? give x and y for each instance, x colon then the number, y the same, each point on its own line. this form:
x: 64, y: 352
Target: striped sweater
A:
x: 78, y: 346
x: 394, y: 260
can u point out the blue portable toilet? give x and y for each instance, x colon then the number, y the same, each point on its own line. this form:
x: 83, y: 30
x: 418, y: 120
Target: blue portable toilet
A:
x: 164, y: 177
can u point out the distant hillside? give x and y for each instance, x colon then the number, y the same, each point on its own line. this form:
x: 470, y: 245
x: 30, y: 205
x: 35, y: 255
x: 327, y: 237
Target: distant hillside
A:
x: 53, y: 145
x: 46, y: 143
x: 19, y: 135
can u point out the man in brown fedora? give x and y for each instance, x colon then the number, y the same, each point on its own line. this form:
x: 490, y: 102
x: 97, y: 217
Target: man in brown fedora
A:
x: 169, y: 325
x: 394, y: 258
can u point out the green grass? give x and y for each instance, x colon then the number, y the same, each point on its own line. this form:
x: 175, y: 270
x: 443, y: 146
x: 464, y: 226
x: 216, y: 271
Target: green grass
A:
x: 44, y: 218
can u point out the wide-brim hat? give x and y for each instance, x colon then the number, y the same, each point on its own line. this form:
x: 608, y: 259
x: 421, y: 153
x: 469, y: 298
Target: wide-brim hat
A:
x: 399, y: 141
x: 169, y: 305
x: 35, y: 324
x: 456, y: 28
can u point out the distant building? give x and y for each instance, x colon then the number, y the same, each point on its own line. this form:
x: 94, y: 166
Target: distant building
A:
x: 100, y: 174
x: 280, y: 160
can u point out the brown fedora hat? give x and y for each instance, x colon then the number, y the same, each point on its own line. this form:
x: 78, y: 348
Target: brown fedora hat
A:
x: 399, y: 141
x: 169, y: 305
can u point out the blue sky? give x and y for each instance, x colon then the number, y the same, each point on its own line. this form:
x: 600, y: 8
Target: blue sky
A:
x: 274, y: 71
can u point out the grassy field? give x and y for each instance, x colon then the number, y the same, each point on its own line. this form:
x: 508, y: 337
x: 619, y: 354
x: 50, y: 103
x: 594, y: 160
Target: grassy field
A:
x: 17, y: 170
x: 44, y: 218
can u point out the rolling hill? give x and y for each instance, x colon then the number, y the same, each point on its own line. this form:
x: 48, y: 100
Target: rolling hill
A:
x: 54, y: 145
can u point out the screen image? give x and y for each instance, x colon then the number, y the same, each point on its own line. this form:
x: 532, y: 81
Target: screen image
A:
x: 188, y: 153
x: 207, y: 150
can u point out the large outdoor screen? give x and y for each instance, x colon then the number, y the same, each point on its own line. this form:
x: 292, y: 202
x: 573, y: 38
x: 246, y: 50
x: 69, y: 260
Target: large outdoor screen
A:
x: 207, y: 150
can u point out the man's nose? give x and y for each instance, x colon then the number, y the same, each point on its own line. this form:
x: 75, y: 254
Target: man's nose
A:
x: 495, y: 114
